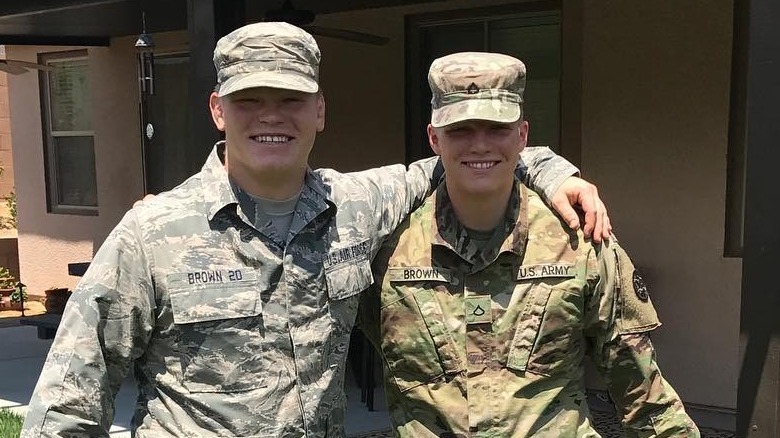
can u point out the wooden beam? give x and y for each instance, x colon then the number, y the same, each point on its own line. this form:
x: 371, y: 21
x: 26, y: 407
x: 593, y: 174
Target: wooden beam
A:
x: 47, y: 40
x: 758, y: 394
x: 27, y: 9
x: 207, y: 20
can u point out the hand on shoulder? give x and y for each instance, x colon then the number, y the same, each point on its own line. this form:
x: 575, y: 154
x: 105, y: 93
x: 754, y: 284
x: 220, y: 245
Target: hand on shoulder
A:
x: 576, y: 192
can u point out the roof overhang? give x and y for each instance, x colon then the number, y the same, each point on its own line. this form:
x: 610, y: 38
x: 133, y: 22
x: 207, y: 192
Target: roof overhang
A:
x: 90, y: 22
x: 95, y: 22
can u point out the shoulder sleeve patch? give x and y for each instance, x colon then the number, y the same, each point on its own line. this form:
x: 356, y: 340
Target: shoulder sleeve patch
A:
x: 636, y: 313
x: 639, y: 286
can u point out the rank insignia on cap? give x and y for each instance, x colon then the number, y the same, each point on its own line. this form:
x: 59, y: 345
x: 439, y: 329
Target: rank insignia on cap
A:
x: 472, y: 89
x: 640, y: 287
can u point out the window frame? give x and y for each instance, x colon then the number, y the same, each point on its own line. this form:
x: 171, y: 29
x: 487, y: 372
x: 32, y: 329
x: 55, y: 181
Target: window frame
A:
x: 53, y: 204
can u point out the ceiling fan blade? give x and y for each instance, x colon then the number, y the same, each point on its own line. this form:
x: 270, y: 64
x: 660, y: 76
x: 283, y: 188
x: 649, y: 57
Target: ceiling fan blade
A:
x: 26, y: 64
x: 350, y: 35
x: 12, y: 69
x: 288, y: 14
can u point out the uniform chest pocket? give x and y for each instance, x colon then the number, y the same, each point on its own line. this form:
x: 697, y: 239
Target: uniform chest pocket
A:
x: 348, y: 279
x: 418, y: 340
x: 221, y: 337
x: 345, y: 283
x: 548, y: 338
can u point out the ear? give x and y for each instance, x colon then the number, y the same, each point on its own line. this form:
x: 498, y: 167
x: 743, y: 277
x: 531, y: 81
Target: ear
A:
x: 433, y: 139
x: 320, y: 112
x: 217, y: 112
x: 523, y: 130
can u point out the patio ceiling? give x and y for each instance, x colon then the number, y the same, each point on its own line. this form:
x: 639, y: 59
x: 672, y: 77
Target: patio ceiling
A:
x: 94, y: 21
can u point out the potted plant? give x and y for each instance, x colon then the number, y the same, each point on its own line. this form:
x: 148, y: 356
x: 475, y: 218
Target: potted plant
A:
x: 18, y: 297
x: 56, y: 298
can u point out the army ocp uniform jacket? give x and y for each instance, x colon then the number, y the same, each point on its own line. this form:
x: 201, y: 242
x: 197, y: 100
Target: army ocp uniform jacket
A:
x: 491, y: 343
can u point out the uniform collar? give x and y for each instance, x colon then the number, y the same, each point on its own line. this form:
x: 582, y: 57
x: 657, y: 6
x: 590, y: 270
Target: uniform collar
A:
x: 314, y: 201
x: 218, y: 194
x: 448, y: 232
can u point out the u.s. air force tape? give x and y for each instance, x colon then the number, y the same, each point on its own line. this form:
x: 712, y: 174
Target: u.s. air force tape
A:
x: 560, y: 270
x: 419, y: 273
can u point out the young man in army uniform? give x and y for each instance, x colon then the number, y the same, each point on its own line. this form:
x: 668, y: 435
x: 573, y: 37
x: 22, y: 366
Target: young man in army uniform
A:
x: 487, y: 303
x: 233, y: 295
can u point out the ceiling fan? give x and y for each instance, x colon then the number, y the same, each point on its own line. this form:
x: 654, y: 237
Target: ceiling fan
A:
x: 15, y: 67
x: 304, y: 19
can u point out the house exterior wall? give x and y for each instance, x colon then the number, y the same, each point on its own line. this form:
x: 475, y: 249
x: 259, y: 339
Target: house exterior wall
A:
x: 48, y: 242
x: 654, y: 89
x: 655, y: 126
x: 9, y: 258
x: 6, y: 156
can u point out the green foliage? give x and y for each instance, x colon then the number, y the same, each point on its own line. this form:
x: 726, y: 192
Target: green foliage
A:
x: 10, y: 424
x: 16, y: 295
x: 7, y: 280
x: 10, y: 202
x: 9, y: 223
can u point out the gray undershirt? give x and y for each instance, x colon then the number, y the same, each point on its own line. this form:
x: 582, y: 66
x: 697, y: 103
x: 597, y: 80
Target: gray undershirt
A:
x: 261, y: 211
x: 280, y: 213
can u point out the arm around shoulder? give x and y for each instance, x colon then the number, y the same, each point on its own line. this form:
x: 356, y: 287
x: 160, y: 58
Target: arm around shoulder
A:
x: 544, y: 171
x: 395, y: 191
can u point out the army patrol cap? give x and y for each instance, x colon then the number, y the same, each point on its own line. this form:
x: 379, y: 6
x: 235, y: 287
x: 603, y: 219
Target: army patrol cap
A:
x: 476, y: 85
x: 276, y: 55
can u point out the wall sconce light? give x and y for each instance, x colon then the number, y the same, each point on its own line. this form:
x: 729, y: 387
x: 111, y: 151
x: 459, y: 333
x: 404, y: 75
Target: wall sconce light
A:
x: 144, y: 46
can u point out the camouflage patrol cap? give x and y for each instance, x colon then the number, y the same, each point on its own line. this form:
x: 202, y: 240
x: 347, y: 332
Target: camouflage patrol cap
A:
x: 276, y: 55
x: 476, y: 85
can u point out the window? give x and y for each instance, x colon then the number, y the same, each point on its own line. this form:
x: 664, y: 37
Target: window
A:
x: 531, y: 33
x: 69, y: 148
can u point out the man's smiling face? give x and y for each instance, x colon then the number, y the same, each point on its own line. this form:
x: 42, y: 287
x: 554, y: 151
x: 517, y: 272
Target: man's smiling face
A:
x: 269, y: 132
x: 479, y: 157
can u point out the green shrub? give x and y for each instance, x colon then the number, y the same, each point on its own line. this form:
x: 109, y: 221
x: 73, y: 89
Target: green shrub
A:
x: 10, y: 202
x: 16, y: 296
x: 7, y: 280
x: 10, y: 424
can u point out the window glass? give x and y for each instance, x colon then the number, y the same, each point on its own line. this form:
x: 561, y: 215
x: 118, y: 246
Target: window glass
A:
x: 75, y: 160
x: 69, y: 94
x: 533, y: 37
x: 537, y: 44
x: 71, y: 183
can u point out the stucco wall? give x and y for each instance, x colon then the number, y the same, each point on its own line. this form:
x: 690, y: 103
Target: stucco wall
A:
x: 655, y: 119
x: 6, y: 156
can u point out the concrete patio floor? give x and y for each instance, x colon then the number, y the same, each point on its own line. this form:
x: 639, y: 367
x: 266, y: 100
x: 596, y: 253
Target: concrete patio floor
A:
x: 23, y: 354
